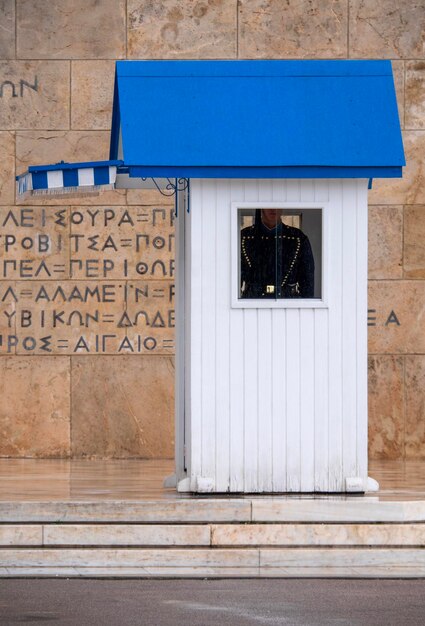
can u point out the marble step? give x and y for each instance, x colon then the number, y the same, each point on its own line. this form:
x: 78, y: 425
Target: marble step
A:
x: 216, y: 510
x: 214, y: 535
x: 374, y: 571
x: 248, y: 562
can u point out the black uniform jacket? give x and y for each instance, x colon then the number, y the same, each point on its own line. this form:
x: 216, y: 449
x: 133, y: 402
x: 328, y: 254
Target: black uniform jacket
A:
x: 276, y: 263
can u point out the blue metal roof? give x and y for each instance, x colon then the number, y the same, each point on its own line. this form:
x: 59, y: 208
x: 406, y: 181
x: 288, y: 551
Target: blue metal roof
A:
x: 257, y: 119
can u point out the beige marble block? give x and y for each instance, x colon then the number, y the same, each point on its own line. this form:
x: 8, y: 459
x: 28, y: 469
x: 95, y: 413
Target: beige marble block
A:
x: 34, y: 244
x: 400, y: 89
x: 415, y: 407
x: 92, y: 90
x: 203, y: 571
x: 409, y: 189
x: 152, y: 509
x: 385, y: 242
x: 386, y: 424
x: 395, y: 317
x: 310, y: 572
x: 202, y: 29
x: 414, y: 238
x: 7, y: 167
x: 364, y: 571
x: 390, y: 572
x: 38, y: 148
x: 214, y: 572
x: 70, y: 317
x: 35, y: 94
x: 40, y: 572
x: 82, y: 29
x: 321, y: 557
x: 415, y: 94
x: 391, y: 29
x: 345, y: 510
x: 122, y: 407
x: 35, y: 406
x: 167, y: 557
x: 149, y: 197
x: 125, y: 535
x: 130, y: 572
x: 292, y: 29
x: 136, y: 242
x: 7, y: 39
x: 21, y: 535
x: 318, y: 535
x: 92, y: 572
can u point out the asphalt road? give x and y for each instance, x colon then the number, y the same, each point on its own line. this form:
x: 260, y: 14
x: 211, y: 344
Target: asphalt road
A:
x: 212, y: 602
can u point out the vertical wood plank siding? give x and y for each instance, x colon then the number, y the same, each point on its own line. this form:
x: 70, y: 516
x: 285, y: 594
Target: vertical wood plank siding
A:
x: 277, y: 398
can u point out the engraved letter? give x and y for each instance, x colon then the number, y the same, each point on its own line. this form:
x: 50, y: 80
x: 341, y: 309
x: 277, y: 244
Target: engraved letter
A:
x: 25, y: 318
x: 10, y: 84
x: 23, y: 83
x: 392, y: 319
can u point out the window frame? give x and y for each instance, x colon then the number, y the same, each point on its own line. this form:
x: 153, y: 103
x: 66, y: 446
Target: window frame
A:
x: 280, y: 303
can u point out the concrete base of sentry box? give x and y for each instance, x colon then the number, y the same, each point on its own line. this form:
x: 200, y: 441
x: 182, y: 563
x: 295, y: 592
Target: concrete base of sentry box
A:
x: 203, y: 485
x: 214, y: 537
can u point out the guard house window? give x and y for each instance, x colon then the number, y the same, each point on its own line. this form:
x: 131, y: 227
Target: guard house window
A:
x: 279, y: 254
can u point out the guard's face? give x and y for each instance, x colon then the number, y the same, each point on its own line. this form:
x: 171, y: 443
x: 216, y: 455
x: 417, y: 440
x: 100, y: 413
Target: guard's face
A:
x: 271, y: 217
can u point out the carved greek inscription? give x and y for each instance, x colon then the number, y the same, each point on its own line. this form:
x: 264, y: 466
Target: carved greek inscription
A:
x: 389, y: 319
x: 34, y: 244
x: 83, y: 317
x: 86, y: 243
x: 122, y: 242
x: 34, y: 94
x: 86, y: 280
x: 17, y: 88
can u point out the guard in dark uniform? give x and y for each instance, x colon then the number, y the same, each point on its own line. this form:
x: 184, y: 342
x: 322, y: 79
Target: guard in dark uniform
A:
x: 276, y: 260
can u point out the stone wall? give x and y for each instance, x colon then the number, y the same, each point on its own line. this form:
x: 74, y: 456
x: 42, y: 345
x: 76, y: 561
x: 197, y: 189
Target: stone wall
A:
x: 73, y: 273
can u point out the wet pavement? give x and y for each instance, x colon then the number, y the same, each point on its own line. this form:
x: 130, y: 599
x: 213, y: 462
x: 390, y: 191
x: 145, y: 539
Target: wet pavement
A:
x: 212, y: 602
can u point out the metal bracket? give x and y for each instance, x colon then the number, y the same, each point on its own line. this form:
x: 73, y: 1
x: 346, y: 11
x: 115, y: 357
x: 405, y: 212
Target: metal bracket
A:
x: 171, y: 187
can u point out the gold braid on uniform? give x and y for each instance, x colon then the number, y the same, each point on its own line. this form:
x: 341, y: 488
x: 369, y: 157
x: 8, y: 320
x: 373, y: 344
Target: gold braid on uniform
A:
x: 244, y: 252
x: 297, y: 251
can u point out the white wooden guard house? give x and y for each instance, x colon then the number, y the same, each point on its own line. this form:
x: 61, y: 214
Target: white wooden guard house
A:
x: 271, y: 161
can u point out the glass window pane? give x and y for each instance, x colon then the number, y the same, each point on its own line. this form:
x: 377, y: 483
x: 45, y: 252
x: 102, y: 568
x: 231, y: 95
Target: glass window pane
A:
x: 280, y: 253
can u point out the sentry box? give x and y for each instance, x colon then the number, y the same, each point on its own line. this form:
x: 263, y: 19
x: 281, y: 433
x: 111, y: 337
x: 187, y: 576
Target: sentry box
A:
x: 270, y: 163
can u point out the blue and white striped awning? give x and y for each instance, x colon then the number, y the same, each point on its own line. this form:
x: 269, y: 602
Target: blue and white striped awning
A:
x: 67, y: 178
